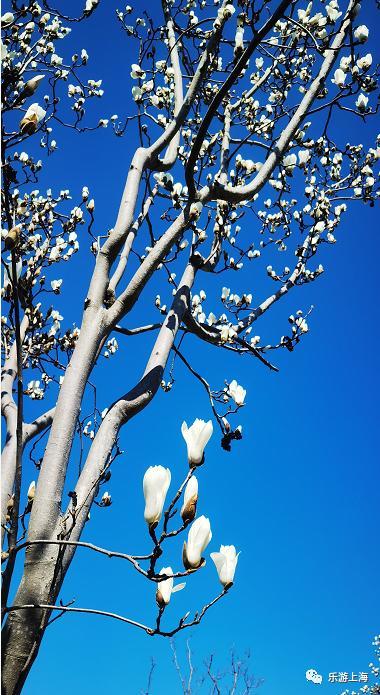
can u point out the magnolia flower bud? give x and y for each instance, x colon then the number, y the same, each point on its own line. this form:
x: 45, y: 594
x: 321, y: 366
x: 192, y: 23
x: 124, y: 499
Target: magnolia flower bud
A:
x: 190, y: 498
x: 225, y: 562
x: 31, y: 491
x: 196, y: 438
x: 195, y: 210
x: 106, y: 499
x: 339, y: 78
x: 31, y: 86
x: 361, y: 102
x: 155, y: 486
x: 226, y: 424
x: 166, y: 588
x: 198, y: 539
x: 12, y: 238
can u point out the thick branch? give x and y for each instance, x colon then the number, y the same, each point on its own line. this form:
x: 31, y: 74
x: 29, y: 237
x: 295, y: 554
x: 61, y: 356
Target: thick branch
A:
x: 126, y: 407
x: 38, y: 425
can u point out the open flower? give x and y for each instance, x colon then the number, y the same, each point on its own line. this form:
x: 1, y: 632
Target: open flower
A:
x: 190, y: 498
x: 166, y: 588
x: 361, y: 33
x: 137, y: 72
x: 333, y: 12
x: 290, y: 162
x: 225, y: 562
x: 237, y: 392
x: 33, y: 116
x: 198, y: 539
x: 365, y: 62
x: 7, y: 18
x: 196, y: 438
x: 155, y: 486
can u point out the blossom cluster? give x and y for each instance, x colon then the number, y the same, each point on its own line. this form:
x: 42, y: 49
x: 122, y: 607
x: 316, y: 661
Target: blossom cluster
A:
x: 156, y: 484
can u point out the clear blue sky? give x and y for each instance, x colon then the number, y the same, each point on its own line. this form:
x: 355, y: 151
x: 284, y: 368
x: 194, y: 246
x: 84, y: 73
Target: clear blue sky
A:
x: 298, y: 495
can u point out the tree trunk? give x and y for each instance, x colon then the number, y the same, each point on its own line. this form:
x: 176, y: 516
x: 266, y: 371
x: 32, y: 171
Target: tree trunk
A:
x: 24, y: 629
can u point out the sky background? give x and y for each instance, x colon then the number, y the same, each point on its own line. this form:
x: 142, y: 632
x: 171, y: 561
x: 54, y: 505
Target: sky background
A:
x: 298, y: 495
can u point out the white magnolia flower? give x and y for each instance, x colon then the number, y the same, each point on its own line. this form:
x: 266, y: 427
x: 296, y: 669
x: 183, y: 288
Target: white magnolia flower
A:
x: 227, y: 334
x: 361, y: 102
x: 361, y: 33
x: 236, y: 392
x: 4, y: 51
x: 198, y: 539
x: 196, y: 438
x: 365, y: 62
x: 339, y: 78
x: 55, y: 285
x: 31, y: 491
x: 190, y: 499
x: 33, y: 116
x: 136, y: 93
x: 7, y: 18
x: 155, y: 486
x: 34, y: 390
x: 302, y: 325
x: 345, y: 63
x: 56, y: 60
x: 332, y: 12
x: 289, y: 162
x: 303, y: 157
x: 225, y: 293
x: 225, y: 562
x: 90, y: 4
x: 166, y: 588
x: 195, y: 210
x: 137, y: 72
x: 226, y: 11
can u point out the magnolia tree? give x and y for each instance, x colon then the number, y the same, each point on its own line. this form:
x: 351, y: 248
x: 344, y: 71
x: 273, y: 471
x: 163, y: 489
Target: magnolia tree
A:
x: 239, y: 155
